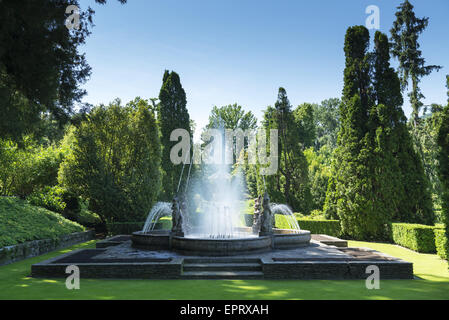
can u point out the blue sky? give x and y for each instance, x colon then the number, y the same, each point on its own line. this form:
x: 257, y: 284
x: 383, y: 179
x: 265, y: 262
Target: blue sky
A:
x: 241, y: 51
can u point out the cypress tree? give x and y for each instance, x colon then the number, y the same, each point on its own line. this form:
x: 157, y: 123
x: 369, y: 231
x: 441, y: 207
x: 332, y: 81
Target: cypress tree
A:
x: 377, y: 176
x: 173, y: 114
x: 443, y: 143
x: 404, y: 170
x: 290, y: 184
x: 405, y: 33
x: 354, y: 109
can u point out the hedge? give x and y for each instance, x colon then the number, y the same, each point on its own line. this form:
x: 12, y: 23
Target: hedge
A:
x: 328, y: 227
x: 116, y: 228
x: 420, y: 238
x: 315, y: 226
x: 441, y: 243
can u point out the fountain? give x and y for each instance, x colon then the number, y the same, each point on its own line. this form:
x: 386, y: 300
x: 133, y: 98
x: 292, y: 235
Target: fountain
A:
x: 209, y: 239
x: 213, y: 224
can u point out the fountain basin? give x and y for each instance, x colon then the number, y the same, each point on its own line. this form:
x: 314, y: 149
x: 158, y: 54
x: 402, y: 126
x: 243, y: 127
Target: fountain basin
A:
x: 287, y: 239
x: 154, y: 240
x: 203, y: 246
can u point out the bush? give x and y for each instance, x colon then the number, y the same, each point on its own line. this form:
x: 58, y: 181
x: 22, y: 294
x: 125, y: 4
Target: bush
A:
x: 315, y: 225
x: 49, y: 198
x: 115, y: 162
x: 28, y: 169
x: 441, y: 243
x: 328, y: 227
x: 116, y: 228
x: 66, y: 203
x: 420, y: 238
x: 21, y: 221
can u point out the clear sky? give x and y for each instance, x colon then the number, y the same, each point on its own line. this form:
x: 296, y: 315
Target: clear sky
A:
x: 241, y: 51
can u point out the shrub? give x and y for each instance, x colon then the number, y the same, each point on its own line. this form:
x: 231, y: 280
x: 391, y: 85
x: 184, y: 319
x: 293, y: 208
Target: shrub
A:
x: 21, y: 221
x: 328, y: 227
x: 115, y: 161
x: 441, y: 243
x: 315, y: 226
x: 420, y: 238
x: 28, y: 169
x: 116, y: 228
x: 49, y: 198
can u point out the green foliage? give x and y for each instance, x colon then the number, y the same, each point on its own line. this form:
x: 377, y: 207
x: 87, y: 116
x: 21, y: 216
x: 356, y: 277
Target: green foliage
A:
x: 305, y: 122
x: 291, y: 182
x: 443, y: 157
x: 405, y: 34
x: 172, y: 114
x: 25, y: 170
x: 357, y: 69
x: 319, y: 173
x: 114, y: 162
x: 41, y: 69
x: 327, y: 123
x: 441, y: 243
x: 117, y: 228
x: 420, y: 238
x: 231, y: 117
x: 49, y: 198
x: 329, y: 227
x: 315, y: 226
x: 66, y: 203
x: 20, y: 222
x: 377, y: 177
x: 406, y: 176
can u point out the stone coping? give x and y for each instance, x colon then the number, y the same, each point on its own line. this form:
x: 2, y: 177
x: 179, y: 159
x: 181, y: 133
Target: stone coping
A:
x: 316, y: 261
x: 29, y: 249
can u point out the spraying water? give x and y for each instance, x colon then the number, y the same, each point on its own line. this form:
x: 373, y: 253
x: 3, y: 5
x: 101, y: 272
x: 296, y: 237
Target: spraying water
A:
x: 159, y: 210
x: 219, y: 203
x: 283, y: 209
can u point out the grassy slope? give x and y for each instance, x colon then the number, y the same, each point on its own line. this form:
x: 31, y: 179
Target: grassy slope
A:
x: 14, y: 284
x: 20, y: 222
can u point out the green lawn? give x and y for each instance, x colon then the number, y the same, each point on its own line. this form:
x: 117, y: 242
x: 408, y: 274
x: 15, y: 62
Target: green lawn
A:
x: 434, y: 284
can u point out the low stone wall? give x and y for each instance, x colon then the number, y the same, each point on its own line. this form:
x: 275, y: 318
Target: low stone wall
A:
x: 35, y: 248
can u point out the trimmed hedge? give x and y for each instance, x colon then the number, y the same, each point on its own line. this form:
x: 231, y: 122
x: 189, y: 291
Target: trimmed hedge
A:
x: 315, y: 226
x: 116, y: 228
x: 441, y: 243
x: 328, y: 227
x: 418, y: 237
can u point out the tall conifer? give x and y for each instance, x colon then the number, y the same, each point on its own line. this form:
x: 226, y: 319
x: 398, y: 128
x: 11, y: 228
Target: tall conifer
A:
x: 173, y: 114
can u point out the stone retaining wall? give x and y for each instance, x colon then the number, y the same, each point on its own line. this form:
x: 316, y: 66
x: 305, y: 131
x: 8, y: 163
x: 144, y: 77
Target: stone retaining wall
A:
x: 35, y: 248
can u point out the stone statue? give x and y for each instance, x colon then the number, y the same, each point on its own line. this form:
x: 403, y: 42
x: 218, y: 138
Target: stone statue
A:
x: 176, y: 217
x: 266, y: 225
x: 184, y: 210
x: 256, y: 218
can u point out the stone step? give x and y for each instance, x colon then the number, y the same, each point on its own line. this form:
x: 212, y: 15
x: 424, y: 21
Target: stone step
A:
x: 223, y: 275
x: 222, y: 267
x: 220, y: 260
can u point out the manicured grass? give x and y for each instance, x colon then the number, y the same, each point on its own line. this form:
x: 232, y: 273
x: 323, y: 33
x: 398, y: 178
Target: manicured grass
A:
x: 434, y: 284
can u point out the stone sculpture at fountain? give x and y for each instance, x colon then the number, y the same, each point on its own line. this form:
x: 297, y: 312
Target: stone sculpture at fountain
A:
x: 176, y: 218
x: 266, y: 218
x: 256, y: 217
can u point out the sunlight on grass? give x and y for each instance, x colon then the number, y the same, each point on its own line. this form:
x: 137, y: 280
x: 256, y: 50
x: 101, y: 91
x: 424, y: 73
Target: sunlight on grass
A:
x: 435, y: 284
x: 50, y: 281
